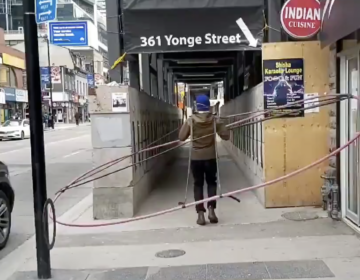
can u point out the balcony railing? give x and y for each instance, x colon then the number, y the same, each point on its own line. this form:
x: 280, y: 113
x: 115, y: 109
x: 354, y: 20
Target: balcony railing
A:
x: 17, y: 2
x: 21, y: 31
x: 100, y: 18
x: 102, y: 40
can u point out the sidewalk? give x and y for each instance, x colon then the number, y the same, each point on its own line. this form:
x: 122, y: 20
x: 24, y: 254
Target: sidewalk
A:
x: 59, y: 126
x: 250, y: 242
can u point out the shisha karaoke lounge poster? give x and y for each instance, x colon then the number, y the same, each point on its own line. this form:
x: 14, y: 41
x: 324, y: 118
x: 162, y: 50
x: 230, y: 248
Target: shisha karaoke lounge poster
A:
x: 283, y: 85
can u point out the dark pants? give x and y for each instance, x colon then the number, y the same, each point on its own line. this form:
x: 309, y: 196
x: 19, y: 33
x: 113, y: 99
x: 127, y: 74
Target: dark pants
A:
x: 204, y: 169
x: 50, y: 123
x: 77, y: 121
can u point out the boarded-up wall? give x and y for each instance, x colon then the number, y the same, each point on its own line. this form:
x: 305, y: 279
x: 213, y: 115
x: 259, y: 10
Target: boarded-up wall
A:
x: 292, y: 143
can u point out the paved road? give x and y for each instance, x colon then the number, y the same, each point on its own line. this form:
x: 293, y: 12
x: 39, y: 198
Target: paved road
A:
x: 68, y: 154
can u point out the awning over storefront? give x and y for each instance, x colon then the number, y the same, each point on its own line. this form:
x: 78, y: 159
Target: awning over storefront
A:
x: 152, y: 26
x: 339, y: 19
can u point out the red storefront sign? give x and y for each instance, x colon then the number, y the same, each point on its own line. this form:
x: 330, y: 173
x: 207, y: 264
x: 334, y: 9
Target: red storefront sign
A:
x: 301, y: 19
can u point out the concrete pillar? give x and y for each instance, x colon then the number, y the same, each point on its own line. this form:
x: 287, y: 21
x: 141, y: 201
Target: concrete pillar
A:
x: 170, y: 87
x: 134, y: 72
x: 160, y: 78
x: 212, y: 92
x: 227, y: 89
x: 166, y: 82
x: 145, y: 62
x: 236, y: 76
x: 111, y: 139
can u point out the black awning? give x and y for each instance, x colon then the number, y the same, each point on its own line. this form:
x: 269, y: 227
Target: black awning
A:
x: 185, y: 25
x: 187, y: 4
x: 339, y: 19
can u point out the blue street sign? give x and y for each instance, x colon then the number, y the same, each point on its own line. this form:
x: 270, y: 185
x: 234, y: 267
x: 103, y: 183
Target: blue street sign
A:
x: 90, y: 80
x: 73, y: 33
x: 45, y: 75
x: 45, y: 10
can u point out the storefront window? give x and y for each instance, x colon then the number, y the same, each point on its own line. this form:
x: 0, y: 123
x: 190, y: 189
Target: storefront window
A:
x: 353, y: 151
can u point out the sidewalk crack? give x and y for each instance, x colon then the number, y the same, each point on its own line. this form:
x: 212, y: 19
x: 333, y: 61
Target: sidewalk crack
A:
x: 267, y: 270
x: 152, y: 270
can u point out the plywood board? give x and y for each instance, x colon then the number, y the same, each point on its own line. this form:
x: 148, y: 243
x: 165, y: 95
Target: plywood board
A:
x: 292, y: 143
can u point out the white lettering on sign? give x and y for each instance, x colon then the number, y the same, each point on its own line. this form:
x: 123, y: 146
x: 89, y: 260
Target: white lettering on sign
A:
x: 276, y: 78
x: 190, y: 42
x: 307, y: 15
x: 302, y: 24
x: 302, y: 13
x: 219, y: 39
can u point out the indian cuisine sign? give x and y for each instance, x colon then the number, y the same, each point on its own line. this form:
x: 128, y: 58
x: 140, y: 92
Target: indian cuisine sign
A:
x: 301, y: 19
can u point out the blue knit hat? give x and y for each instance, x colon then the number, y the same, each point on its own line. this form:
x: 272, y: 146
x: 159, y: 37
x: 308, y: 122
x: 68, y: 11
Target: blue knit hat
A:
x: 202, y: 103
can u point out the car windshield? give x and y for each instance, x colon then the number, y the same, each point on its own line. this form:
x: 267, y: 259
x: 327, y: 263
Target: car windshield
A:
x: 12, y: 123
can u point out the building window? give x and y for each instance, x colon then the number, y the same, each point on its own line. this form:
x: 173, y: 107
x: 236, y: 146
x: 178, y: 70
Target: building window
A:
x: 8, y: 76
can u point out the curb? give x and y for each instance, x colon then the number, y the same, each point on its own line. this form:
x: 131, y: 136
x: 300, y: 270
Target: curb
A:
x: 13, y: 262
x: 64, y: 128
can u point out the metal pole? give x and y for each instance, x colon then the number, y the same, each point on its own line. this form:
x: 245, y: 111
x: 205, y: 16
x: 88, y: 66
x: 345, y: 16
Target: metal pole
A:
x: 7, y: 14
x: 121, y: 41
x: 50, y: 81
x: 37, y: 138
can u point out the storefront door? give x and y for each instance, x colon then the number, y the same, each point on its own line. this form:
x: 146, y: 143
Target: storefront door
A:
x: 353, y: 153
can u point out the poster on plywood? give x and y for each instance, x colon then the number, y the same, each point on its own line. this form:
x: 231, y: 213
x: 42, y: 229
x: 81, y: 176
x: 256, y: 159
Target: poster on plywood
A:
x: 119, y: 102
x: 284, y: 86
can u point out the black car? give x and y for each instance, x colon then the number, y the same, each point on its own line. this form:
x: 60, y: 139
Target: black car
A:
x: 7, y: 197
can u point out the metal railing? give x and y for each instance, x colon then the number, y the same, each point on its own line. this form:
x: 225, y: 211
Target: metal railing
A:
x: 21, y: 31
x: 99, y: 17
x: 17, y: 2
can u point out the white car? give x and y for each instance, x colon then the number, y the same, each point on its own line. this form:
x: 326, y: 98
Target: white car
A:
x: 15, y: 129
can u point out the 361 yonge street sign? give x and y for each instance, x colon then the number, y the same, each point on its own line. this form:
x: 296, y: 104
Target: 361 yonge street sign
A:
x: 198, y: 27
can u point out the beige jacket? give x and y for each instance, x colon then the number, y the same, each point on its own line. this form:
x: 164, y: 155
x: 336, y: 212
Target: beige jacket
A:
x: 203, y: 124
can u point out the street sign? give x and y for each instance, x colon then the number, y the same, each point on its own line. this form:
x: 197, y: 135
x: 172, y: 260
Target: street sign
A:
x: 90, y: 80
x: 45, y: 10
x: 72, y: 33
x: 45, y: 75
x: 301, y: 19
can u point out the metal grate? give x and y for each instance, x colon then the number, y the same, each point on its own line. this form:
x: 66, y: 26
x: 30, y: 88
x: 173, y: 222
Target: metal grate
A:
x: 172, y: 253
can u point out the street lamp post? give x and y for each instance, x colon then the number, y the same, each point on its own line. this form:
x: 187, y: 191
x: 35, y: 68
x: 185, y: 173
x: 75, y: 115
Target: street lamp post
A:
x: 36, y: 139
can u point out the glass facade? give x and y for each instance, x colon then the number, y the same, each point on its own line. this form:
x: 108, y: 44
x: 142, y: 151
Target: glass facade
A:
x: 350, y: 115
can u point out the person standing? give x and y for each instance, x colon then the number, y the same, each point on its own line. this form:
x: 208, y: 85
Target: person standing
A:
x: 77, y: 118
x: 51, y: 120
x: 203, y: 154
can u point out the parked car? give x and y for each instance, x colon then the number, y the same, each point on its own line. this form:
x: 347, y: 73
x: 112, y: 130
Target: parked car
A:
x: 15, y: 129
x: 7, y: 198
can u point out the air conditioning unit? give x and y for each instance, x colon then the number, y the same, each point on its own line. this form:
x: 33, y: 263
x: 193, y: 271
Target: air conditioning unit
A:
x: 21, y: 29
